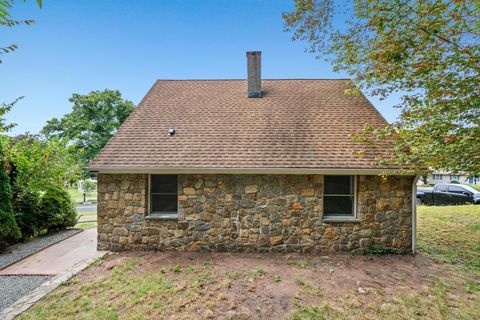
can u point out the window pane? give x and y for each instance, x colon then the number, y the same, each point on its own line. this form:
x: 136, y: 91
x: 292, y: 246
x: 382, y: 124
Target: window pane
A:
x: 163, y: 183
x: 164, y: 203
x: 338, y: 206
x: 456, y: 189
x: 338, y: 185
x: 442, y: 188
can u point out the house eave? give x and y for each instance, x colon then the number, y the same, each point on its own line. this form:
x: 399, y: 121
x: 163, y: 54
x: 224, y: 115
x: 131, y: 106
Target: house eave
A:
x: 339, y: 171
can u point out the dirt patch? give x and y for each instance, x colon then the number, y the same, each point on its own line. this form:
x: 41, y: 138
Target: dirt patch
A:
x: 443, y: 283
x: 259, y: 286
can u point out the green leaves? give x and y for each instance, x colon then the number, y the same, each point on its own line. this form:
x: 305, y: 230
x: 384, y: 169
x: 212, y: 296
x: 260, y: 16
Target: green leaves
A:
x: 9, y: 230
x: 4, y: 109
x: 94, y: 119
x: 41, y: 163
x: 6, y: 20
x: 429, y: 50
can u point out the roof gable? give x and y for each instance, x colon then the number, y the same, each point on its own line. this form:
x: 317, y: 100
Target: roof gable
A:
x: 305, y: 124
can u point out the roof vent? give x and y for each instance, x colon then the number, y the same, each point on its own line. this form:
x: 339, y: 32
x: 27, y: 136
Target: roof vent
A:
x: 171, y: 132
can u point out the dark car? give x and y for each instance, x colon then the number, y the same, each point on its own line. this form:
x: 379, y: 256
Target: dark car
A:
x: 442, y: 194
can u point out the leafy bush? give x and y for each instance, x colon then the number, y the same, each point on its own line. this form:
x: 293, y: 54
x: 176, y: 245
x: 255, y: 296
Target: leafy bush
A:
x: 39, y: 163
x: 57, y: 209
x: 32, y: 171
x: 27, y: 213
x: 9, y: 230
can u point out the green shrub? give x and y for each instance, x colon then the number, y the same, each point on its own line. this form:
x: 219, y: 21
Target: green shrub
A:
x: 27, y: 213
x: 57, y: 209
x: 9, y: 230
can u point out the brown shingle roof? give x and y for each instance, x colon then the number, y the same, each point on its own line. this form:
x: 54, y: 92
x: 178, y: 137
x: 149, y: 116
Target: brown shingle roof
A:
x: 296, y: 124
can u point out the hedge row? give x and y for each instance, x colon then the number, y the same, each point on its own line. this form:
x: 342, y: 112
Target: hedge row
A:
x: 24, y: 213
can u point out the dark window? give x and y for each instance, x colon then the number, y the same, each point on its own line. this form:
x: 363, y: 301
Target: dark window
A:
x: 442, y: 188
x: 163, y: 194
x: 339, y: 196
x: 456, y: 189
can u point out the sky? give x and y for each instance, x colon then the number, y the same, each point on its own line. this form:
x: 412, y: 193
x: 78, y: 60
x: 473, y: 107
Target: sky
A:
x: 81, y: 46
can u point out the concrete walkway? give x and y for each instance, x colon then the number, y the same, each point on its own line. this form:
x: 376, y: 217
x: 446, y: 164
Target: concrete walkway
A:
x: 61, y: 261
x: 60, y: 257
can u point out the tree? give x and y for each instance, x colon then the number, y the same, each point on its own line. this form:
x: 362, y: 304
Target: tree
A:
x: 427, y: 50
x: 89, y: 186
x: 39, y: 164
x: 7, y: 20
x: 8, y: 226
x: 93, y: 121
x: 4, y: 109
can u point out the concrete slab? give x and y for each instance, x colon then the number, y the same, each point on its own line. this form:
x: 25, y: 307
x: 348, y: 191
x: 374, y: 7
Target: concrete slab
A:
x: 60, y: 257
x: 30, y: 299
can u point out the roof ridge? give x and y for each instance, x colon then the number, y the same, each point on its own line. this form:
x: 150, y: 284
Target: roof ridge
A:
x: 285, y: 79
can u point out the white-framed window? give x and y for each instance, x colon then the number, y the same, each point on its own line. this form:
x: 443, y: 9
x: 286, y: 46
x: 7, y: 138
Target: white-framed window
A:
x: 163, y: 195
x: 437, y: 177
x: 454, y: 177
x: 339, y: 197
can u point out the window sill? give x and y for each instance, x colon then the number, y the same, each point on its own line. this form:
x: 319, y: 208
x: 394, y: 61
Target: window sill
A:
x: 164, y: 217
x: 341, y: 219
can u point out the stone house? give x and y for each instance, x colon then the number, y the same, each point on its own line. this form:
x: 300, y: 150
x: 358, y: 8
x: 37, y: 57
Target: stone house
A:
x: 250, y: 165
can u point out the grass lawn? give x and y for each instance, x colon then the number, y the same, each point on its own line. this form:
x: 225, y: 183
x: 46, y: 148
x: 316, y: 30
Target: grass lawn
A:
x: 441, y: 282
x: 77, y: 196
x: 475, y: 186
x: 90, y: 216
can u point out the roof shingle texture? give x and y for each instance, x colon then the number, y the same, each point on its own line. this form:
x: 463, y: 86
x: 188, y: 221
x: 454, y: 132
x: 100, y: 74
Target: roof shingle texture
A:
x: 296, y: 124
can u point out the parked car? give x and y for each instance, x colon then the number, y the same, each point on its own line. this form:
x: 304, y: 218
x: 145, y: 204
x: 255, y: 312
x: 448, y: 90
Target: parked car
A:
x: 449, y: 193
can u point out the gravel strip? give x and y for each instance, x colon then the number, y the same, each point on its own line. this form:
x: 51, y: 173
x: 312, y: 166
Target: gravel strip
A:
x: 13, y: 288
x: 22, y: 250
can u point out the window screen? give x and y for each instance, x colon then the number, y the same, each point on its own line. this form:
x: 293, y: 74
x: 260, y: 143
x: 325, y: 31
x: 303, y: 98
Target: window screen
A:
x: 163, y: 194
x: 339, y: 196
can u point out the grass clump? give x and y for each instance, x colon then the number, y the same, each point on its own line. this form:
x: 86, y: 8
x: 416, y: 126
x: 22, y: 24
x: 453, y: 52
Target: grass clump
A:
x: 177, y: 268
x: 307, y: 313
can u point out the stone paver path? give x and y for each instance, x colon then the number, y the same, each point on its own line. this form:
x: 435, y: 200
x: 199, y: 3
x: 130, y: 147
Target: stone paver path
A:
x: 58, y: 258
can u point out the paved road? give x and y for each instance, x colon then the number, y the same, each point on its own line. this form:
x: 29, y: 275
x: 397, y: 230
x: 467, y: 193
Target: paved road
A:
x: 86, y: 208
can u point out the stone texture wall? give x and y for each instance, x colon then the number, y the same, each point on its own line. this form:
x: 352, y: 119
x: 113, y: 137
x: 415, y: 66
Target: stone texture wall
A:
x: 281, y: 213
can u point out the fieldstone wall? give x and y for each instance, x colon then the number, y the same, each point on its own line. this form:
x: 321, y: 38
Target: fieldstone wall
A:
x: 281, y: 213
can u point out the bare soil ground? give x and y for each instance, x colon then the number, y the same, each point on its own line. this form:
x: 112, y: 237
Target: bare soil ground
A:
x: 268, y: 286
x: 441, y: 283
x: 253, y: 286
